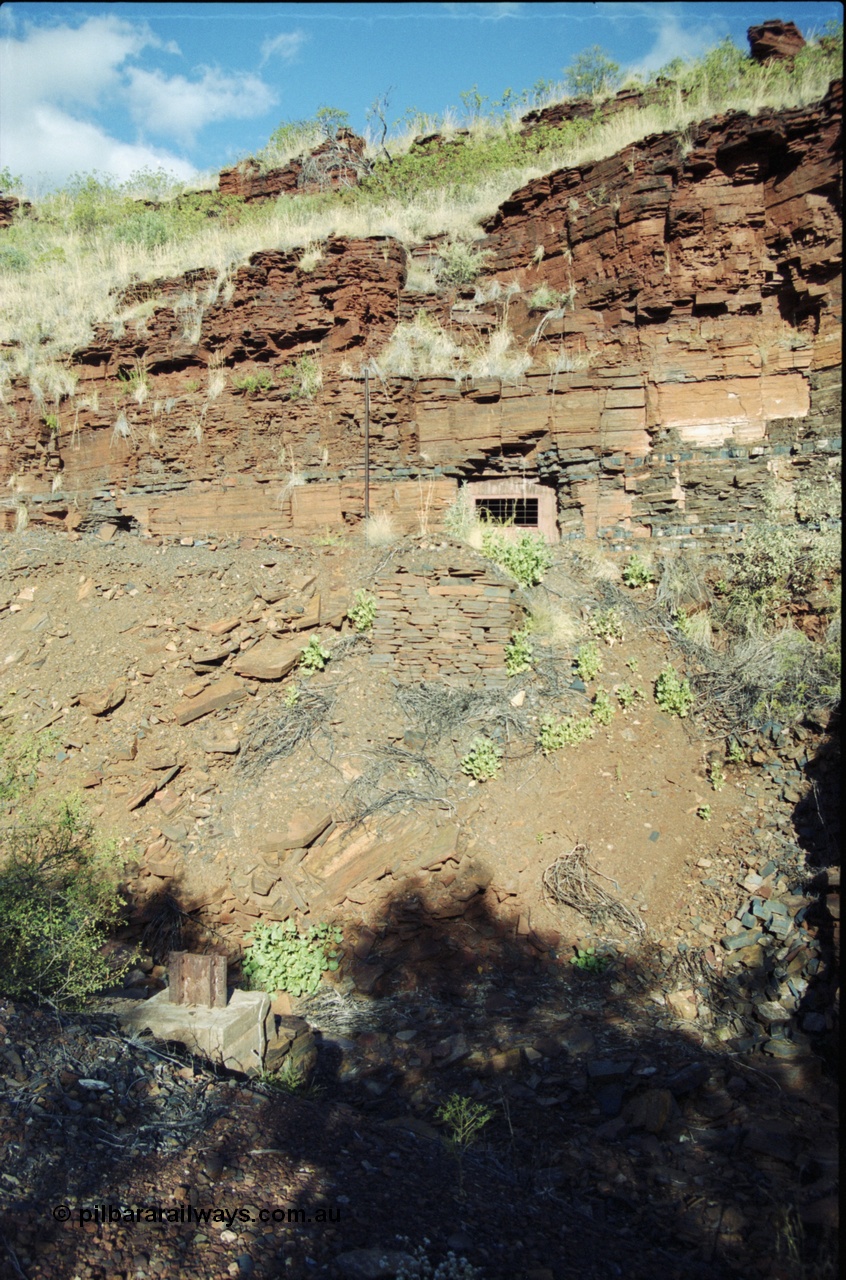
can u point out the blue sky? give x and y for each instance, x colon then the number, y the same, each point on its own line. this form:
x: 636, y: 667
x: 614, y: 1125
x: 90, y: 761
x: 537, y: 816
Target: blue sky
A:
x: 192, y: 87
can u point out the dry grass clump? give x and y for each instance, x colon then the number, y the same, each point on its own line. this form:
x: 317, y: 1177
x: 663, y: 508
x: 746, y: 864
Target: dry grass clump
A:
x: 500, y: 358
x: 551, y: 621
x: 379, y: 530
x: 681, y: 584
x: 593, y: 565
x: 421, y: 348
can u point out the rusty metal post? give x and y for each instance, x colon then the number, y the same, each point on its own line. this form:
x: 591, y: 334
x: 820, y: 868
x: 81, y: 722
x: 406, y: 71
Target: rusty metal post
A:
x: 366, y: 442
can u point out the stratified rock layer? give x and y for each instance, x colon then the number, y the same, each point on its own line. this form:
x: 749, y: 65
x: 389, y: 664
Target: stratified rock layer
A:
x: 695, y: 351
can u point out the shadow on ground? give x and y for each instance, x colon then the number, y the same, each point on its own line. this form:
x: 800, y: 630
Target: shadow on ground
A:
x: 621, y: 1142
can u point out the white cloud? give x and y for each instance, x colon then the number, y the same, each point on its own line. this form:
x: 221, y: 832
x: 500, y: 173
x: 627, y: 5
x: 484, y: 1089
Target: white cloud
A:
x: 175, y: 107
x: 56, y: 145
x: 674, y: 41
x: 676, y: 34
x: 57, y: 84
x: 66, y: 65
x: 285, y: 46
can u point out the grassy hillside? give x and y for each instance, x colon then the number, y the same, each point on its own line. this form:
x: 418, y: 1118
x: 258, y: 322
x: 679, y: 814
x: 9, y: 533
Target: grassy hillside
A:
x: 64, y: 262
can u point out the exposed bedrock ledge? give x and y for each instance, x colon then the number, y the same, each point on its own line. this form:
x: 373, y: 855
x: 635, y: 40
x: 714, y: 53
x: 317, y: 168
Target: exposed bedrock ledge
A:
x: 697, y: 349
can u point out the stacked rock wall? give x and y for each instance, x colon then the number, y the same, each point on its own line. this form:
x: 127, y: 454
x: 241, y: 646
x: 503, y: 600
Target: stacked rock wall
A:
x: 444, y: 614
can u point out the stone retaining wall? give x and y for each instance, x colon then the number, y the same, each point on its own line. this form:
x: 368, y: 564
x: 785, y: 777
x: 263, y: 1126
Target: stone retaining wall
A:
x: 444, y: 613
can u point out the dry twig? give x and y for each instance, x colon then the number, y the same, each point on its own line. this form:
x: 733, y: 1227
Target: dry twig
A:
x: 568, y: 882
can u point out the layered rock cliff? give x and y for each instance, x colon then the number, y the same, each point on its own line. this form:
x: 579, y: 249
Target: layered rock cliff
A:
x: 693, y: 351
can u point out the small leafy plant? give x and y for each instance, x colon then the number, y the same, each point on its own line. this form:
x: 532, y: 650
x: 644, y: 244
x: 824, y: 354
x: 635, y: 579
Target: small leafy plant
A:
x: 606, y: 625
x: 588, y: 662
x: 362, y: 613
x: 518, y: 652
x: 603, y: 708
x: 291, y: 698
x: 637, y: 572
x: 280, y: 958
x: 587, y: 961
x: 627, y: 696
x: 464, y: 1120
x: 291, y: 1079
x: 704, y: 812
x: 569, y: 732
x: 527, y: 559
x: 314, y: 656
x: 735, y: 753
x: 716, y: 777
x: 673, y: 693
x: 483, y: 761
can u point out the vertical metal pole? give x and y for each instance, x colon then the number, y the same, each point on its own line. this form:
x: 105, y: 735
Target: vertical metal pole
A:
x: 366, y: 443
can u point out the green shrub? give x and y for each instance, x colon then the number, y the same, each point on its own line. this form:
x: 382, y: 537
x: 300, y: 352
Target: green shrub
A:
x: 588, y: 662
x: 778, y: 562
x: 592, y: 74
x: 252, y: 382
x: 518, y: 652
x: 58, y: 901
x: 569, y: 732
x: 362, y: 613
x: 637, y: 573
x: 304, y: 378
x: 314, y: 656
x: 19, y: 759
x: 483, y: 761
x: 672, y: 693
x: 603, y: 708
x: 280, y: 958
x: 527, y: 559
x: 458, y: 263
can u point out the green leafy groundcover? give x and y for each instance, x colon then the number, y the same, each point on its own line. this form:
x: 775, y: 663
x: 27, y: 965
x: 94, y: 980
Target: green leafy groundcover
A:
x: 281, y: 958
x: 58, y: 901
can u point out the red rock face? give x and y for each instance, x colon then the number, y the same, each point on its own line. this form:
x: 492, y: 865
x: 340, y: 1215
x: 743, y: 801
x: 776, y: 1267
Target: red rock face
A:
x: 775, y: 41
x: 695, y: 350
x: 332, y: 166
x: 9, y: 206
x: 562, y: 113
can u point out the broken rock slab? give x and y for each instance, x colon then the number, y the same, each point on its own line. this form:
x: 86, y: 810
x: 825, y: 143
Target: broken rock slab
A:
x: 102, y: 701
x: 223, y: 693
x: 269, y: 659
x: 303, y: 828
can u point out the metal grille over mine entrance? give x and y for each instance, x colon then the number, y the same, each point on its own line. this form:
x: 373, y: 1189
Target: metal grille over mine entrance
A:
x: 519, y: 512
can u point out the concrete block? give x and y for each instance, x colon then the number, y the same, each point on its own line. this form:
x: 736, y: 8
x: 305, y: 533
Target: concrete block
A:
x: 234, y: 1036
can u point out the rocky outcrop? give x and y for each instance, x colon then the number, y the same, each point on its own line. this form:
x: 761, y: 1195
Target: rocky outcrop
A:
x: 629, y: 99
x: 681, y: 302
x: 775, y: 41
x: 9, y: 206
x: 335, y: 164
